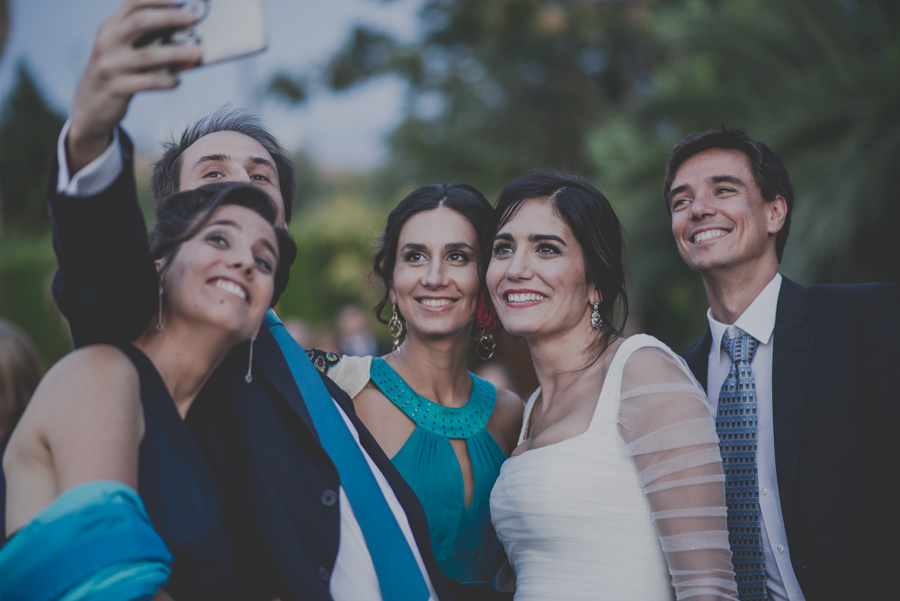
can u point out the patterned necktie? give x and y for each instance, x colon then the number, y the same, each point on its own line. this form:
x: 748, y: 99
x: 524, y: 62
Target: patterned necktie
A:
x: 736, y: 427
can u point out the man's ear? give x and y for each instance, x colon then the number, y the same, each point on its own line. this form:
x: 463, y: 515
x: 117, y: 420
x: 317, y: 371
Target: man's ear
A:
x: 776, y: 213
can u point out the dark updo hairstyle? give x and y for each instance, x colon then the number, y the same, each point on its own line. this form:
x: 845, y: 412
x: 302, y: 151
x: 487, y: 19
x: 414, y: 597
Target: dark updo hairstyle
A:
x: 591, y: 219
x: 462, y: 198
x: 180, y: 216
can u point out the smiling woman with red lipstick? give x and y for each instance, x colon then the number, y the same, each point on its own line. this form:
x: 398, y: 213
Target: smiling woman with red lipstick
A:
x: 107, y: 422
x: 615, y: 490
x: 446, y: 430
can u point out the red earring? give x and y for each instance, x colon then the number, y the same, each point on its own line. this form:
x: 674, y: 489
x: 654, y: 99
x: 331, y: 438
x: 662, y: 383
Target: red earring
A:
x: 485, y: 314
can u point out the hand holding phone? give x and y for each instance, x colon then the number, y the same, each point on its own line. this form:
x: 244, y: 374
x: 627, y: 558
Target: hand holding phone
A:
x: 225, y: 29
x: 117, y: 71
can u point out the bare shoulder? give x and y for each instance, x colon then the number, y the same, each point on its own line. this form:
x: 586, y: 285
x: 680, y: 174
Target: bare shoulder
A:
x: 384, y: 420
x: 509, y: 405
x: 506, y: 420
x: 93, y: 378
x: 83, y: 423
x: 87, y: 412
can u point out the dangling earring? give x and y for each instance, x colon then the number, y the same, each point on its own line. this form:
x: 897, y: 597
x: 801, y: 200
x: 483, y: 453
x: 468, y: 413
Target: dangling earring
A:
x: 395, y: 326
x: 485, y: 346
x: 249, y: 377
x: 159, y: 323
x: 596, y: 320
x: 487, y: 320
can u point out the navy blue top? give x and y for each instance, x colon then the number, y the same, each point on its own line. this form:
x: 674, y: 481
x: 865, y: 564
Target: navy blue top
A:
x: 181, y: 495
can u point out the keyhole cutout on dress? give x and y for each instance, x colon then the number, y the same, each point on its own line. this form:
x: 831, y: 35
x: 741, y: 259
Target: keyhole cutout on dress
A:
x: 465, y: 467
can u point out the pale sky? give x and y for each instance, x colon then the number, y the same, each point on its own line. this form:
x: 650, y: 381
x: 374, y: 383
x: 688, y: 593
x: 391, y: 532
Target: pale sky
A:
x: 343, y: 131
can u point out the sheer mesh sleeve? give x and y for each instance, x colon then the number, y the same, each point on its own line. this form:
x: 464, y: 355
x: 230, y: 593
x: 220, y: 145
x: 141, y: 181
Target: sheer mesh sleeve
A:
x: 665, y: 422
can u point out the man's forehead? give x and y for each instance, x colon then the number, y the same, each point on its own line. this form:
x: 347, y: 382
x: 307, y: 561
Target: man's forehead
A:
x: 229, y: 145
x: 711, y: 163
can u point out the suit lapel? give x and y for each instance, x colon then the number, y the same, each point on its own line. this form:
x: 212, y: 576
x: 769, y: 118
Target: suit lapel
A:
x: 697, y: 358
x: 271, y: 362
x: 791, y: 366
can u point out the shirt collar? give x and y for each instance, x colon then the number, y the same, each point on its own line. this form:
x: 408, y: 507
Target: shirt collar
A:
x: 758, y: 319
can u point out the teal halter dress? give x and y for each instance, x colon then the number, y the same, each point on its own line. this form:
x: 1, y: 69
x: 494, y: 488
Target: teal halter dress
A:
x: 464, y: 542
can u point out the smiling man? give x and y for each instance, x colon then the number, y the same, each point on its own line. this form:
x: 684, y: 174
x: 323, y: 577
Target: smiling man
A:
x: 800, y: 381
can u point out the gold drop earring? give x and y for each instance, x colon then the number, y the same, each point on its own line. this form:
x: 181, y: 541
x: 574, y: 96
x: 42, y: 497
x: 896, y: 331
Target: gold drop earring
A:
x: 596, y: 320
x: 395, y: 326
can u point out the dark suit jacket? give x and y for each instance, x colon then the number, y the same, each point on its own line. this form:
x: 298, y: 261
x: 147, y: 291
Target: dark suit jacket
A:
x: 280, y: 484
x: 836, y: 409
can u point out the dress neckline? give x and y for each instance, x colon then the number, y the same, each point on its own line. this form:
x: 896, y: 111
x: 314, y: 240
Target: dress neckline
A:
x: 449, y: 422
x: 617, y: 360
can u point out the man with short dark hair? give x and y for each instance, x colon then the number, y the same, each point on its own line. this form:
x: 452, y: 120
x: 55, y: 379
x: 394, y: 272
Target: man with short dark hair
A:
x: 297, y: 533
x: 800, y: 381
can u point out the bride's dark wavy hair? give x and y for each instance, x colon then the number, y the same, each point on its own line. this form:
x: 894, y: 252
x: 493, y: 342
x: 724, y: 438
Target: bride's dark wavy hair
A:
x: 462, y: 198
x: 180, y: 216
x: 590, y: 217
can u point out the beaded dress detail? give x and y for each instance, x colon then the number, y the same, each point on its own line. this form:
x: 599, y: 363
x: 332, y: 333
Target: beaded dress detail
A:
x: 463, y: 539
x: 449, y: 422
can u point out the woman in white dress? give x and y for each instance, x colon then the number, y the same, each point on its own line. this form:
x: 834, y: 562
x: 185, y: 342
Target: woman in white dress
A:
x: 616, y: 488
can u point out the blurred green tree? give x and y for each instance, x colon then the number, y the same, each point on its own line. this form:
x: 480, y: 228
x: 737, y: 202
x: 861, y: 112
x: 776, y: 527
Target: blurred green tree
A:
x: 819, y: 82
x: 496, y: 88
x: 28, y: 127
x: 4, y: 24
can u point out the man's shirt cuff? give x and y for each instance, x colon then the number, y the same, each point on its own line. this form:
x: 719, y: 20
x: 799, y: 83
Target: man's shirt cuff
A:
x: 97, y: 176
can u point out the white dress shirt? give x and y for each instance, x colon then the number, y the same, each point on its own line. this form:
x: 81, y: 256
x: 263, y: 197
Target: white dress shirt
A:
x: 353, y: 577
x: 759, y: 321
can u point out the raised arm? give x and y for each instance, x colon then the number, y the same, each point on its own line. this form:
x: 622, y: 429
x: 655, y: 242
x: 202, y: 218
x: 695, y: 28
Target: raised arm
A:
x: 106, y: 281
x: 117, y: 71
x: 665, y: 421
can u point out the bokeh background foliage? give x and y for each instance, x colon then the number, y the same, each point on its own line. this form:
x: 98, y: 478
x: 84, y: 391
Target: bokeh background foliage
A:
x: 604, y: 88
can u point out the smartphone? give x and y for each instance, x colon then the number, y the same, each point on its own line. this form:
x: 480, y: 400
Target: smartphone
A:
x: 225, y: 29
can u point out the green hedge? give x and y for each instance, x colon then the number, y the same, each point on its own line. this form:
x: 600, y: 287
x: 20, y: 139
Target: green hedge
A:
x: 27, y: 265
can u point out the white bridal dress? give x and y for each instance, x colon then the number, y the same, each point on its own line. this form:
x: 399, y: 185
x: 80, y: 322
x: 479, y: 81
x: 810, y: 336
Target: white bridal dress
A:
x: 634, y: 508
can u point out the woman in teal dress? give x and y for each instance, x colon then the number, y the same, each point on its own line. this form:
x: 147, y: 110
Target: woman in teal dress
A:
x: 446, y: 430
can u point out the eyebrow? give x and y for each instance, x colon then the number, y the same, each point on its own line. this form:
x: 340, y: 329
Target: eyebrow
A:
x: 449, y: 246
x: 271, y: 248
x: 458, y: 246
x: 532, y: 238
x: 216, y: 158
x: 714, y: 179
x: 726, y: 179
x: 541, y: 237
x: 675, y: 191
x: 229, y: 222
x: 237, y: 226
